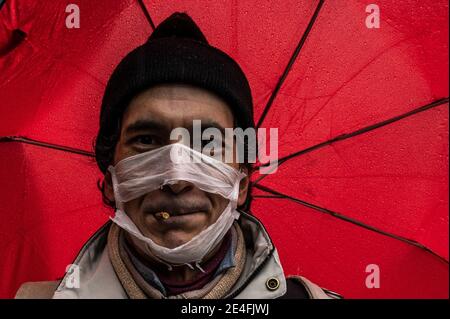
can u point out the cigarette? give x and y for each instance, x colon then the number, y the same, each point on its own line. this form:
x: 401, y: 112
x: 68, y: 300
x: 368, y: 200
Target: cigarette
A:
x: 163, y: 215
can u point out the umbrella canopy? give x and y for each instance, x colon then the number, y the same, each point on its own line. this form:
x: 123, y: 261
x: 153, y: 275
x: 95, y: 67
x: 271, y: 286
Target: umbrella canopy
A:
x: 362, y: 115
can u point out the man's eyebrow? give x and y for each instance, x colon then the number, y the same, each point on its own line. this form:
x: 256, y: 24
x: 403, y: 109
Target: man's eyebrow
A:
x: 148, y: 124
x: 212, y: 124
x: 143, y: 125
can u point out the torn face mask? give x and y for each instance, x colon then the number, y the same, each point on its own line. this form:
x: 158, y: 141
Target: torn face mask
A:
x: 138, y: 175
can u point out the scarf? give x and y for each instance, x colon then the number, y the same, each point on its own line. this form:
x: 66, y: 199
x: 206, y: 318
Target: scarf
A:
x: 137, y: 288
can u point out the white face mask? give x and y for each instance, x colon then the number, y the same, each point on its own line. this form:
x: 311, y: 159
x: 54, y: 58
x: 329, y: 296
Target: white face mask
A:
x: 138, y: 175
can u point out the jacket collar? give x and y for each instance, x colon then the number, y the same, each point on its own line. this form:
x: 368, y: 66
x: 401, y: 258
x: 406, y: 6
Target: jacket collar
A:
x: 97, y: 278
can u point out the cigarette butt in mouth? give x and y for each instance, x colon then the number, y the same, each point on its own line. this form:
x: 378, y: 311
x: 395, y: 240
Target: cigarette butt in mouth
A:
x: 162, y: 215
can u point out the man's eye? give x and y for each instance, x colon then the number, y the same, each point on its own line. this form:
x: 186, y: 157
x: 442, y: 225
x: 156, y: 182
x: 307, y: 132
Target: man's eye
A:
x: 210, y: 143
x: 214, y: 146
x: 144, y: 140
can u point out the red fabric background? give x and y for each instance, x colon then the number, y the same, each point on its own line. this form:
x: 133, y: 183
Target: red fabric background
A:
x: 346, y: 77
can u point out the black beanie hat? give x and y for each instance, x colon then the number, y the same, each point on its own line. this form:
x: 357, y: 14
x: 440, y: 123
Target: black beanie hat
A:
x: 176, y: 52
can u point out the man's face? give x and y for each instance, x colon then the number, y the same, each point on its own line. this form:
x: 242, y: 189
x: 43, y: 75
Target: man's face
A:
x: 146, y: 126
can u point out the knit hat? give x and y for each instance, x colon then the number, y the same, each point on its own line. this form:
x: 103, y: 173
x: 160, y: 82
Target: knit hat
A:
x: 176, y: 52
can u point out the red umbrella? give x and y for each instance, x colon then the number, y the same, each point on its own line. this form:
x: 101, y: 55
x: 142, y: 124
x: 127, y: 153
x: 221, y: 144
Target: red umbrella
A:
x: 362, y: 115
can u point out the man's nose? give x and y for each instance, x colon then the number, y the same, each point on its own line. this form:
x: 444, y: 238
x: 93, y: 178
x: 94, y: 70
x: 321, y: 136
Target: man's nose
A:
x: 179, y: 187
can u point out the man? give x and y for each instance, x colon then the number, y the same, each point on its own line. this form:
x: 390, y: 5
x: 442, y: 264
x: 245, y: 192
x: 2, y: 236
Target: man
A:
x: 180, y: 230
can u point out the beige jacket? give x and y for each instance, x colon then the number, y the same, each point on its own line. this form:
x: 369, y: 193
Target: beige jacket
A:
x: 98, y: 279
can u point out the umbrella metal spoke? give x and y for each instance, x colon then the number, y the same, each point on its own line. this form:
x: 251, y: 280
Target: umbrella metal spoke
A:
x: 267, y: 196
x: 355, y: 133
x: 21, y: 139
x: 350, y: 220
x: 290, y: 63
x: 147, y: 14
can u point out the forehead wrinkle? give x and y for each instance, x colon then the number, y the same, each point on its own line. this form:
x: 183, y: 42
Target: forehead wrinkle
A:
x: 183, y: 93
x: 178, y: 103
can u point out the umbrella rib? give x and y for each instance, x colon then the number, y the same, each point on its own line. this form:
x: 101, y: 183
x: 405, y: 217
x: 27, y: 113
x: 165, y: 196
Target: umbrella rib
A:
x: 356, y: 133
x: 267, y: 196
x: 351, y: 220
x: 26, y: 140
x: 290, y: 63
x: 147, y: 14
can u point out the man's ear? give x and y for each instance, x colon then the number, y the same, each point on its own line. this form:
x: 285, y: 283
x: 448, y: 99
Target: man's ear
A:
x: 108, y: 190
x: 243, y: 187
